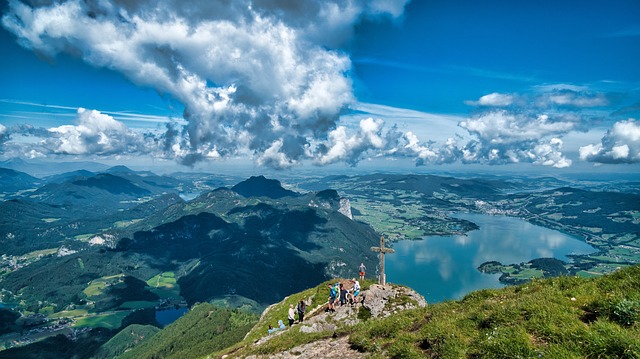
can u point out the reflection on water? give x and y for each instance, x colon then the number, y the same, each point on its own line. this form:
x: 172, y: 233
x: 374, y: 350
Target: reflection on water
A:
x: 168, y: 316
x: 444, y: 268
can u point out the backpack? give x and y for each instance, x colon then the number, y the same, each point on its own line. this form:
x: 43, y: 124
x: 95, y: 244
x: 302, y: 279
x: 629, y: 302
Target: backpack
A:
x: 333, y: 292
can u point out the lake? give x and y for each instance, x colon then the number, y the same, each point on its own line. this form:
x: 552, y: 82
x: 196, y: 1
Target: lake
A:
x: 445, y: 268
x: 168, y: 316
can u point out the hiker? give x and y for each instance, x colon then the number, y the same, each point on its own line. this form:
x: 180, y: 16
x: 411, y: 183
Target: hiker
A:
x: 301, y: 309
x: 292, y: 315
x: 362, y: 269
x: 280, y: 327
x: 356, y: 291
x: 343, y: 295
x: 333, y: 294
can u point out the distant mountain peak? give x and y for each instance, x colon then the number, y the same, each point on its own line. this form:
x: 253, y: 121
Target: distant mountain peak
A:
x: 112, y: 184
x: 119, y: 168
x: 259, y: 186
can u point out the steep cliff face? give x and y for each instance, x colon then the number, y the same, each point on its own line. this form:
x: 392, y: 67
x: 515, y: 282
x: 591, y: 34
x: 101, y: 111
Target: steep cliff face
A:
x: 330, y: 200
x: 345, y: 208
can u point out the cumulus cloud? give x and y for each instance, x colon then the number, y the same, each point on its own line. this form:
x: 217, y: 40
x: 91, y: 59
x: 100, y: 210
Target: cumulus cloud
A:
x: 427, y: 153
x: 493, y: 99
x: 95, y: 133
x: 501, y: 137
x: 263, y: 77
x: 343, y: 146
x: 621, y: 144
x: 505, y: 137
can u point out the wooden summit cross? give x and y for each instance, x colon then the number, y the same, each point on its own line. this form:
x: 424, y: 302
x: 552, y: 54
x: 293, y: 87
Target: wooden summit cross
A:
x: 382, y: 250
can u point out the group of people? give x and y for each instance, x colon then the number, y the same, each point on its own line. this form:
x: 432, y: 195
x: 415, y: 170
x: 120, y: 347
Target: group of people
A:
x: 300, y: 309
x: 338, y: 293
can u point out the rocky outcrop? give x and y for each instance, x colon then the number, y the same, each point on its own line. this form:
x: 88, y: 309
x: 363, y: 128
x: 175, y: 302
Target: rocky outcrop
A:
x: 375, y: 301
x: 327, y: 348
x: 345, y: 208
x: 384, y: 300
x: 379, y: 300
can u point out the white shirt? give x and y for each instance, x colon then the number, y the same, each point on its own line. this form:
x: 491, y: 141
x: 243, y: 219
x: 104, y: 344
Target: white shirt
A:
x: 292, y: 314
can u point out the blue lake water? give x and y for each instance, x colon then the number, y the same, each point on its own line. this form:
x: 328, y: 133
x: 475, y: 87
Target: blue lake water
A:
x: 168, y: 316
x: 445, y: 268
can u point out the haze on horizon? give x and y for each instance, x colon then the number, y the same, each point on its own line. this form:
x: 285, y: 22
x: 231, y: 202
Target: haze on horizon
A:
x: 549, y: 87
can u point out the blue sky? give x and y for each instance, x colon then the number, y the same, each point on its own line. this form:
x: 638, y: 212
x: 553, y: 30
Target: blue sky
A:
x: 546, y: 84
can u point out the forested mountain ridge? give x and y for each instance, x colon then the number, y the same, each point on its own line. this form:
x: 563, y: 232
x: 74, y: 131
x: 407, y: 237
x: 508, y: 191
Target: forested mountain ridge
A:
x: 250, y: 247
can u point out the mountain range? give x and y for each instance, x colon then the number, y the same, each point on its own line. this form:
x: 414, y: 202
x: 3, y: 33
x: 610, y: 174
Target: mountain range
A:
x: 113, y: 243
x: 260, y: 244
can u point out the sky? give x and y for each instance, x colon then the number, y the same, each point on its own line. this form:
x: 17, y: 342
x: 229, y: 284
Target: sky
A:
x: 541, y: 85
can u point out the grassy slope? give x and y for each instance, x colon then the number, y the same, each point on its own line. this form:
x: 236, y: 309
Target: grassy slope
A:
x: 204, y: 329
x: 315, y: 297
x: 564, y: 317
x: 125, y: 339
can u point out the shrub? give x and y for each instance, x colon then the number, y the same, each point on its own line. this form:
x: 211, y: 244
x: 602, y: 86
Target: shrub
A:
x: 626, y: 312
x: 364, y: 313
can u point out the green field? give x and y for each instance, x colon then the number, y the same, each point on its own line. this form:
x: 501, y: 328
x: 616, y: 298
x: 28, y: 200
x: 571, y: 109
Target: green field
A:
x: 97, y: 286
x: 83, y: 237
x: 165, y: 285
x: 123, y: 224
x: 70, y: 313
x: 110, y: 320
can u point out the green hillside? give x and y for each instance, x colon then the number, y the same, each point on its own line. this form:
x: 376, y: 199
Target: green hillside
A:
x: 564, y: 317
x: 204, y: 329
x: 127, y: 338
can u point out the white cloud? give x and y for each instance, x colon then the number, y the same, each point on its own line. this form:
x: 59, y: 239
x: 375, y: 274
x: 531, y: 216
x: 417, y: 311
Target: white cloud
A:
x: 493, y: 99
x: 621, y: 144
x: 266, y: 71
x: 546, y: 96
x: 275, y: 157
x: 502, y: 137
x: 567, y: 98
x: 342, y: 146
x: 500, y: 127
x: 549, y: 154
x: 95, y: 133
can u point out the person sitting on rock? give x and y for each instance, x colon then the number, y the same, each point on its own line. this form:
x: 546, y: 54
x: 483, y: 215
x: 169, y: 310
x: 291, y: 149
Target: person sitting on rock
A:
x: 280, y: 327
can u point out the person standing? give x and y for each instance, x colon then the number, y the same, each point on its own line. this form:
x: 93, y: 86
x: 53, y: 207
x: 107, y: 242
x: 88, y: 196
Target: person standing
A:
x: 362, y: 269
x: 301, y: 309
x: 343, y: 295
x: 333, y: 295
x: 356, y: 290
x: 292, y: 315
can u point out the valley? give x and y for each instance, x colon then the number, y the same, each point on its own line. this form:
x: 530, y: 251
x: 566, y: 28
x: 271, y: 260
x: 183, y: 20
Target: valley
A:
x: 105, y: 250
